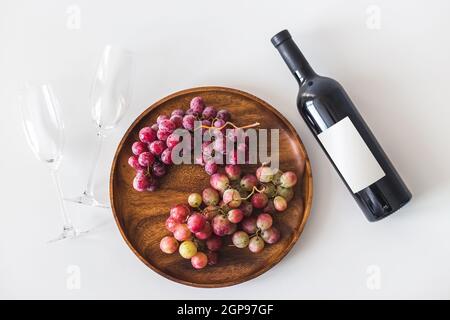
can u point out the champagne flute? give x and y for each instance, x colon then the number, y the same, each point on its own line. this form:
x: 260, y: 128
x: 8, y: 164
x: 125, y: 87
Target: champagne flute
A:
x: 44, y: 130
x: 110, y: 97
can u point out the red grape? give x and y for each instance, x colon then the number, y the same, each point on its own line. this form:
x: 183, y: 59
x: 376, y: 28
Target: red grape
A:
x: 264, y: 221
x: 209, y: 112
x: 232, y: 198
x: 147, y: 135
x: 205, y: 233
x: 249, y: 225
x: 248, y: 182
x: 271, y: 235
x: 182, y: 232
x: 196, y: 222
x: 172, y: 140
x: 197, y: 105
x: 256, y: 244
x: 134, y: 163
x: 157, y: 147
x: 223, y: 115
x: 161, y: 118
x: 171, y: 224
x: 162, y: 135
x: 168, y: 245
x: 140, y: 182
x: 210, y: 197
x: 199, y: 260
x: 177, y: 120
x: 259, y: 200
x: 288, y: 179
x: 235, y: 215
x: 180, y: 212
x: 159, y: 169
x: 177, y: 112
x: 233, y: 171
x: 166, y: 125
x: 246, y: 208
x: 166, y: 156
x: 138, y: 147
x: 221, y: 225
x: 146, y: 159
x: 188, y: 122
x: 219, y: 181
x: 211, y: 167
x: 214, y: 243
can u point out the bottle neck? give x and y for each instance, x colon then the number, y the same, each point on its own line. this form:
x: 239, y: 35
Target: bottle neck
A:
x: 295, y: 61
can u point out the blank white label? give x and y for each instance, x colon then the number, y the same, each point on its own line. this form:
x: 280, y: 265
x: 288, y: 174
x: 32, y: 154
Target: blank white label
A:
x: 350, y: 154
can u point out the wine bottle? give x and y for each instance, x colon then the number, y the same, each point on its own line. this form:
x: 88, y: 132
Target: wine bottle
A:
x: 344, y: 136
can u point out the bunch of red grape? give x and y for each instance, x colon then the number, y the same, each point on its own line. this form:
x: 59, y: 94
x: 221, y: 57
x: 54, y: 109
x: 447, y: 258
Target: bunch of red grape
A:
x: 235, y: 205
x: 153, y: 152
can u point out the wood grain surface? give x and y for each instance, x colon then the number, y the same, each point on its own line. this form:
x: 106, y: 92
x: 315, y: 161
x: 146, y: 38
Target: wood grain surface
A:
x: 140, y: 217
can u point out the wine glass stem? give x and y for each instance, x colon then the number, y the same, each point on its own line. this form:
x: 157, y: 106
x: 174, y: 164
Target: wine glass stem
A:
x: 67, y: 222
x: 90, y: 186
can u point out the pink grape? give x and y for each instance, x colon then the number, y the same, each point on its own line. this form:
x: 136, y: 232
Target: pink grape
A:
x: 235, y: 215
x: 159, y: 169
x: 249, y: 225
x: 259, y: 200
x: 177, y: 112
x: 210, y: 196
x: 157, y: 147
x: 213, y: 258
x: 246, y: 208
x: 138, y: 147
x: 187, y: 249
x: 240, y: 239
x: 147, y: 135
x: 256, y: 244
x: 232, y: 198
x: 233, y: 228
x: 168, y: 245
x: 205, y: 233
x: 223, y: 115
x: 271, y: 235
x: 209, y: 112
x: 221, y: 225
x: 219, y: 123
x: 264, y: 221
x: 196, y: 222
x: 219, y: 181
x: 248, y: 182
x: 180, y: 212
x: 146, y: 159
x: 188, y: 122
x: 233, y: 172
x: 197, y: 105
x: 182, y: 232
x: 177, y: 120
x: 288, y: 179
x: 140, y: 182
x: 161, y: 118
x: 171, y: 224
x: 166, y: 156
x: 167, y: 125
x: 162, y: 135
x: 199, y: 260
x: 211, y: 167
x: 134, y: 163
x: 214, y: 243
x: 172, y: 140
x: 280, y: 203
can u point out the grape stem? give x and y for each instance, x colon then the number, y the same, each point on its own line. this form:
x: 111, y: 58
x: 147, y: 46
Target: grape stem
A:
x: 253, y: 191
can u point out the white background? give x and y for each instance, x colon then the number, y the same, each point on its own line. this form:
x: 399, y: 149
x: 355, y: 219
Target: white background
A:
x: 397, y: 74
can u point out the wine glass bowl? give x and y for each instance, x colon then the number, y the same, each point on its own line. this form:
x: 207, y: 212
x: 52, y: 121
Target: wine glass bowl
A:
x: 42, y: 123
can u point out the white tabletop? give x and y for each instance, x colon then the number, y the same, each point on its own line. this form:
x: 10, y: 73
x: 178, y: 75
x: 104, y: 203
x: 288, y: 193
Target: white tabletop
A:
x: 392, y: 58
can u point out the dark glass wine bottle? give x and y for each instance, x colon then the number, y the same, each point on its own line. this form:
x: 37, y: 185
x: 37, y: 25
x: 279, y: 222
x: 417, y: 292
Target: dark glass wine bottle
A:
x: 344, y: 136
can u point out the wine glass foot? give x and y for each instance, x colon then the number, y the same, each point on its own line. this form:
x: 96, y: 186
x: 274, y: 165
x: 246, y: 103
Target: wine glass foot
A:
x: 88, y: 200
x: 68, y: 232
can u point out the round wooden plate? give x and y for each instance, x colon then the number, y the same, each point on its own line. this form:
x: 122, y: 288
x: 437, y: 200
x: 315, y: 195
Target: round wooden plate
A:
x: 141, y: 216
